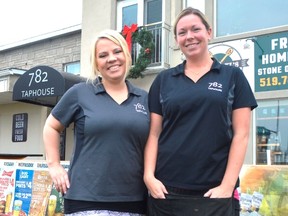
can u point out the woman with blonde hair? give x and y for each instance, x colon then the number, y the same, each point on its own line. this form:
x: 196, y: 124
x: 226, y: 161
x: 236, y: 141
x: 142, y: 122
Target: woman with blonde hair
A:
x: 111, y: 125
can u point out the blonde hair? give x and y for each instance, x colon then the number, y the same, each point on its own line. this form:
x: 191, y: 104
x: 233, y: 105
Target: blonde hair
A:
x: 118, y: 39
x: 189, y: 11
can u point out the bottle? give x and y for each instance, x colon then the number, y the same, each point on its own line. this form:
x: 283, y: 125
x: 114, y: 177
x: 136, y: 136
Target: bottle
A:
x: 257, y: 198
x: 245, y: 203
x: 8, y: 202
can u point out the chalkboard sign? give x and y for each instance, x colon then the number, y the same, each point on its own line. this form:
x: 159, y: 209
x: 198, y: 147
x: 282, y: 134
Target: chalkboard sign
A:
x: 19, y: 127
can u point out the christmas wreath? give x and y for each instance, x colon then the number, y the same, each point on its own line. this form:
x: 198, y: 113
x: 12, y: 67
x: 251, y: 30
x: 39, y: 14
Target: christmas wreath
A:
x: 144, y: 38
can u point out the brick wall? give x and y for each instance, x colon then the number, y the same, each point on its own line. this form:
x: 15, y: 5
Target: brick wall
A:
x: 53, y: 52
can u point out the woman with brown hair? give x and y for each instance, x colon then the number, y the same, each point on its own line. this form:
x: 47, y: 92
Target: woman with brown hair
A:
x: 200, y: 121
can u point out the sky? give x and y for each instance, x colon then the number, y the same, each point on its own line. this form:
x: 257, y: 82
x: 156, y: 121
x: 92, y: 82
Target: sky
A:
x: 23, y: 19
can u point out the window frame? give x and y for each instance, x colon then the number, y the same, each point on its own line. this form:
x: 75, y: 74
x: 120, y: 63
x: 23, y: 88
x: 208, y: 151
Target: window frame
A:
x: 67, y: 64
x: 126, y: 3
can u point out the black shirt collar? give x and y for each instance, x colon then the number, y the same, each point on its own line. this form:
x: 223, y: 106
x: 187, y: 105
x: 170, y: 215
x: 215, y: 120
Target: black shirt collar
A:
x: 99, y: 87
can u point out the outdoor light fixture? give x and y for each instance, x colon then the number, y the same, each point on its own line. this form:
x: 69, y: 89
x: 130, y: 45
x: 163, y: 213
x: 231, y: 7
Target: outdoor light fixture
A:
x: 254, y: 40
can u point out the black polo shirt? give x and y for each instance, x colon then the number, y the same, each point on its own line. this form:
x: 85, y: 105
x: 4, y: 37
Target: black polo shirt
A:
x: 197, y: 131
x: 107, y: 160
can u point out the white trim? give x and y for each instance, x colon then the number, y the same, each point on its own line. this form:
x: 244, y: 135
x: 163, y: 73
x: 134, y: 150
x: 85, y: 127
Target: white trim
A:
x: 184, y: 4
x: 199, y: 4
x: 11, y: 71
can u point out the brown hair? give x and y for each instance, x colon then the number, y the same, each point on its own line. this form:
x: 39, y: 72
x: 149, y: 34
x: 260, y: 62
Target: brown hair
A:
x: 188, y: 11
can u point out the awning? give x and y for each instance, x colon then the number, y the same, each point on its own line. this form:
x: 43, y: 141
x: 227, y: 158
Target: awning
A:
x: 43, y: 85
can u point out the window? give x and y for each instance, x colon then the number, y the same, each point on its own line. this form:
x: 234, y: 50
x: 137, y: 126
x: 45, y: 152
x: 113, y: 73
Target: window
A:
x: 141, y: 12
x: 128, y: 12
x: 239, y: 16
x: 4, y: 84
x: 129, y: 15
x: 271, y: 137
x: 73, y: 67
x: 144, y: 13
x: 153, y: 11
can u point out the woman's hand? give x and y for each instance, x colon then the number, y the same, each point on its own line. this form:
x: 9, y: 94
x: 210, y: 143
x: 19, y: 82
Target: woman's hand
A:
x: 60, y: 178
x: 219, y: 192
x: 51, y: 138
x: 156, y: 188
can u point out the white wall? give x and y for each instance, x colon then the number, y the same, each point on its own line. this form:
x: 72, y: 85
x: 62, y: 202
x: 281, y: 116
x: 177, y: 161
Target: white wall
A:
x: 36, y: 117
x: 199, y: 4
x: 97, y: 15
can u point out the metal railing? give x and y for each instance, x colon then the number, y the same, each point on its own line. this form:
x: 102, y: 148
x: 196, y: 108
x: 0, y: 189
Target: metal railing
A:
x: 161, y: 40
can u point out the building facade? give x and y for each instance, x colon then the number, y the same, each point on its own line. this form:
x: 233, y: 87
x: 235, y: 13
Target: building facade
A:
x: 21, y: 124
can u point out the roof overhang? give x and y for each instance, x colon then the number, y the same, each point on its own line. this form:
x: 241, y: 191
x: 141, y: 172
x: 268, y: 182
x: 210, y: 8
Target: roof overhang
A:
x: 43, y: 85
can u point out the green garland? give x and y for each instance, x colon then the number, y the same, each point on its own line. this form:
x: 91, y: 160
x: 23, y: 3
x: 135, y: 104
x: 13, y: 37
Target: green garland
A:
x: 145, y: 39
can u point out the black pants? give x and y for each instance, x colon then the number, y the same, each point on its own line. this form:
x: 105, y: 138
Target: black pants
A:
x: 188, y: 205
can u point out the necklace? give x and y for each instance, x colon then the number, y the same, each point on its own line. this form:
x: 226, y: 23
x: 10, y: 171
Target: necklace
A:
x: 201, y: 70
x: 201, y: 67
x: 196, y: 73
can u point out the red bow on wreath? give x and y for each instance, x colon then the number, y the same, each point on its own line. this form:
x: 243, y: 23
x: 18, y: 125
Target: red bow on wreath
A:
x: 127, y: 31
